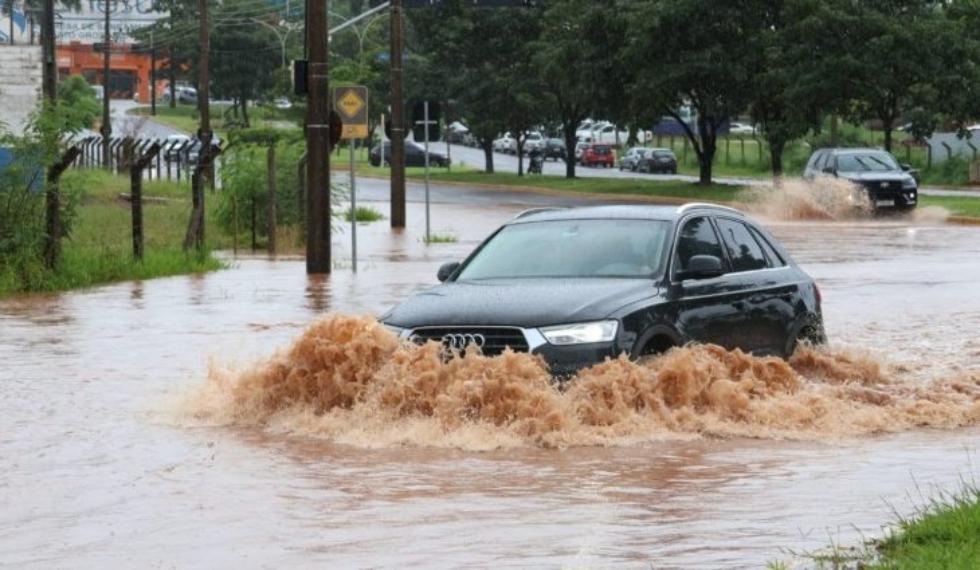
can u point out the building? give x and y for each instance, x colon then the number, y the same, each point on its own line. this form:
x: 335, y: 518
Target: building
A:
x: 77, y: 32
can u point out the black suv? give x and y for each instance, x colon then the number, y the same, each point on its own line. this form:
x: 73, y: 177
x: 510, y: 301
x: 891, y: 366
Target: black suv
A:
x: 887, y: 183
x: 414, y: 155
x: 579, y: 285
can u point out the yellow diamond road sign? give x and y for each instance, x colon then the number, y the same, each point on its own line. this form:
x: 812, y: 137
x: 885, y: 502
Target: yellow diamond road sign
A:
x: 352, y: 104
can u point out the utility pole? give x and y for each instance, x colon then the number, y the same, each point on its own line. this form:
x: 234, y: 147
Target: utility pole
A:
x: 397, y: 119
x: 153, y: 76
x: 106, y: 129
x: 50, y: 81
x: 317, y: 141
x: 195, y: 229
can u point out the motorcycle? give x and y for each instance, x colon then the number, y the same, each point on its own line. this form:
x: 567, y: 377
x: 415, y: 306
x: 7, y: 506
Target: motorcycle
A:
x: 536, y: 163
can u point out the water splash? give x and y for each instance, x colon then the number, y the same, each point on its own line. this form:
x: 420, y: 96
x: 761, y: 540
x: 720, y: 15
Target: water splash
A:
x: 824, y: 198
x: 348, y: 379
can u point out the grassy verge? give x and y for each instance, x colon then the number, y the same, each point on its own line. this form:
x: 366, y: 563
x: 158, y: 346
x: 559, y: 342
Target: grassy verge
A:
x: 943, y: 535
x: 100, y: 247
x: 185, y: 117
x: 964, y: 206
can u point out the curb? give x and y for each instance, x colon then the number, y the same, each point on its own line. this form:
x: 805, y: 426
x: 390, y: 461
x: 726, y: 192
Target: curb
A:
x: 964, y: 220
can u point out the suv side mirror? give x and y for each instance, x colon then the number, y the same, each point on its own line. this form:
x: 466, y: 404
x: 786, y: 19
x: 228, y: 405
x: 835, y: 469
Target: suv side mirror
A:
x: 701, y: 267
x: 906, y: 167
x: 447, y: 270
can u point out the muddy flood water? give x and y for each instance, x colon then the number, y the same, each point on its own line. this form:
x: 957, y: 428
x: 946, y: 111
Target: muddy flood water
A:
x: 169, y: 424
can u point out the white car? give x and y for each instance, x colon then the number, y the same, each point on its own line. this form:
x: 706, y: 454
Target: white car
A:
x: 534, y: 141
x: 740, y: 129
x: 506, y: 144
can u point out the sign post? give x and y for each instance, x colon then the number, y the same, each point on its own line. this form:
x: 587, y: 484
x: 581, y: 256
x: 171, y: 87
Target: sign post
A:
x: 352, y: 104
x: 425, y: 125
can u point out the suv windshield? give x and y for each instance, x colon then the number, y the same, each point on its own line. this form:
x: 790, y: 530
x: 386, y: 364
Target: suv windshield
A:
x: 572, y: 248
x: 663, y: 154
x: 870, y: 162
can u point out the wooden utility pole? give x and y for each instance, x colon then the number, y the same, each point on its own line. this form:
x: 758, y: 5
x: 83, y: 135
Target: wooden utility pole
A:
x: 106, y: 129
x: 195, y: 229
x: 397, y: 118
x: 317, y: 141
x: 52, y: 195
x: 137, y: 163
x: 271, y: 211
x: 153, y: 76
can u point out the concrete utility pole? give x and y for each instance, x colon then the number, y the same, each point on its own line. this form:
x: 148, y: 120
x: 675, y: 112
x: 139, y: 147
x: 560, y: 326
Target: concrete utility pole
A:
x: 50, y: 80
x: 397, y: 119
x: 106, y: 129
x: 317, y: 141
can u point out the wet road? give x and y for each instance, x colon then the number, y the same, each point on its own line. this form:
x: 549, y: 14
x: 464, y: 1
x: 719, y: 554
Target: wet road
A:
x: 97, y: 469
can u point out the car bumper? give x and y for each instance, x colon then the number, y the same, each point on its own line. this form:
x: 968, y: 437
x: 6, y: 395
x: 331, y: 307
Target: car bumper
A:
x: 891, y: 195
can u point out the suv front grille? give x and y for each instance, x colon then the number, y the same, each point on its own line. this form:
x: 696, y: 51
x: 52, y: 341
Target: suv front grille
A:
x: 494, y: 339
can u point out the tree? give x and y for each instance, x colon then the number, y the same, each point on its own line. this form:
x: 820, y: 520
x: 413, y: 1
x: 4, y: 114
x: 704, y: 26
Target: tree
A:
x: 244, y: 58
x: 495, y: 86
x: 78, y: 104
x: 897, y: 56
x: 579, y: 57
x: 693, y: 52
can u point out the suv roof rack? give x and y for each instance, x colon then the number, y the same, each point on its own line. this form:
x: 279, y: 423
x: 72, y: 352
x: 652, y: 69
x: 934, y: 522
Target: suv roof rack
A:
x: 696, y: 205
x: 532, y: 211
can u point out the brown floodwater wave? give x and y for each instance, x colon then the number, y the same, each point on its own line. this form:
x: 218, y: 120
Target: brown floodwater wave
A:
x: 348, y: 379
x: 824, y: 198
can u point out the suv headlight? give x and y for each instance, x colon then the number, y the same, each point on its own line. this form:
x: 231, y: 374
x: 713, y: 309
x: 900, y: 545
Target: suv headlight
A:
x: 581, y: 333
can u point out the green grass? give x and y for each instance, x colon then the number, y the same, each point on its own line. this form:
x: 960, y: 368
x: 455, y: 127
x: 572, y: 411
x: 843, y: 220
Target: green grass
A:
x: 964, y: 206
x: 185, y: 117
x: 364, y: 214
x: 99, y: 249
x: 441, y: 238
x: 640, y: 187
x: 945, y: 535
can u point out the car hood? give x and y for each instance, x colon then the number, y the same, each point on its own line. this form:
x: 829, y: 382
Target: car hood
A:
x: 519, y: 302
x: 876, y: 176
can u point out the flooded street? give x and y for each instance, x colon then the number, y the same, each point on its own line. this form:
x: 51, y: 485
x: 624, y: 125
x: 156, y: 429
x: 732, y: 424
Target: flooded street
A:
x: 99, y: 467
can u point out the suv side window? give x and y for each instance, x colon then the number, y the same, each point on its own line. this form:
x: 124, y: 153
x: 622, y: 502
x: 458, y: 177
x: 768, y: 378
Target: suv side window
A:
x: 697, y: 237
x: 743, y: 250
x: 775, y: 260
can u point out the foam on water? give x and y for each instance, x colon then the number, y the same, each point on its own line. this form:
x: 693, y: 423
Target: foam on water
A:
x: 348, y: 379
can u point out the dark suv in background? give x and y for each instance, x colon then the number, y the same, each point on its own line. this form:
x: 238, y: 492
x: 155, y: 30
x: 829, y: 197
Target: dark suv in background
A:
x: 414, y: 155
x: 888, y: 183
x: 579, y: 285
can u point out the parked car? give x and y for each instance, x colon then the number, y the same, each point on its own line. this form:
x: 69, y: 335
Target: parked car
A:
x: 577, y: 286
x: 598, y: 155
x: 886, y: 182
x: 579, y: 147
x: 741, y: 129
x: 193, y: 152
x: 185, y: 94
x: 534, y: 141
x: 506, y: 144
x: 414, y: 156
x: 555, y: 149
x: 172, y: 145
x: 657, y: 160
x: 456, y: 132
x: 631, y: 158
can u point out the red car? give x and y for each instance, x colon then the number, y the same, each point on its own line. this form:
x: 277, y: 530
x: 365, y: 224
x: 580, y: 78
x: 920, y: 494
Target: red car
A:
x: 598, y: 155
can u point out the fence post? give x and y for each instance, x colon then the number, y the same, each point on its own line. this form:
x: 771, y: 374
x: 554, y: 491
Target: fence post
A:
x: 137, y: 166
x: 949, y: 150
x: 742, y: 141
x: 728, y: 150
x: 271, y: 207
x: 758, y: 145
